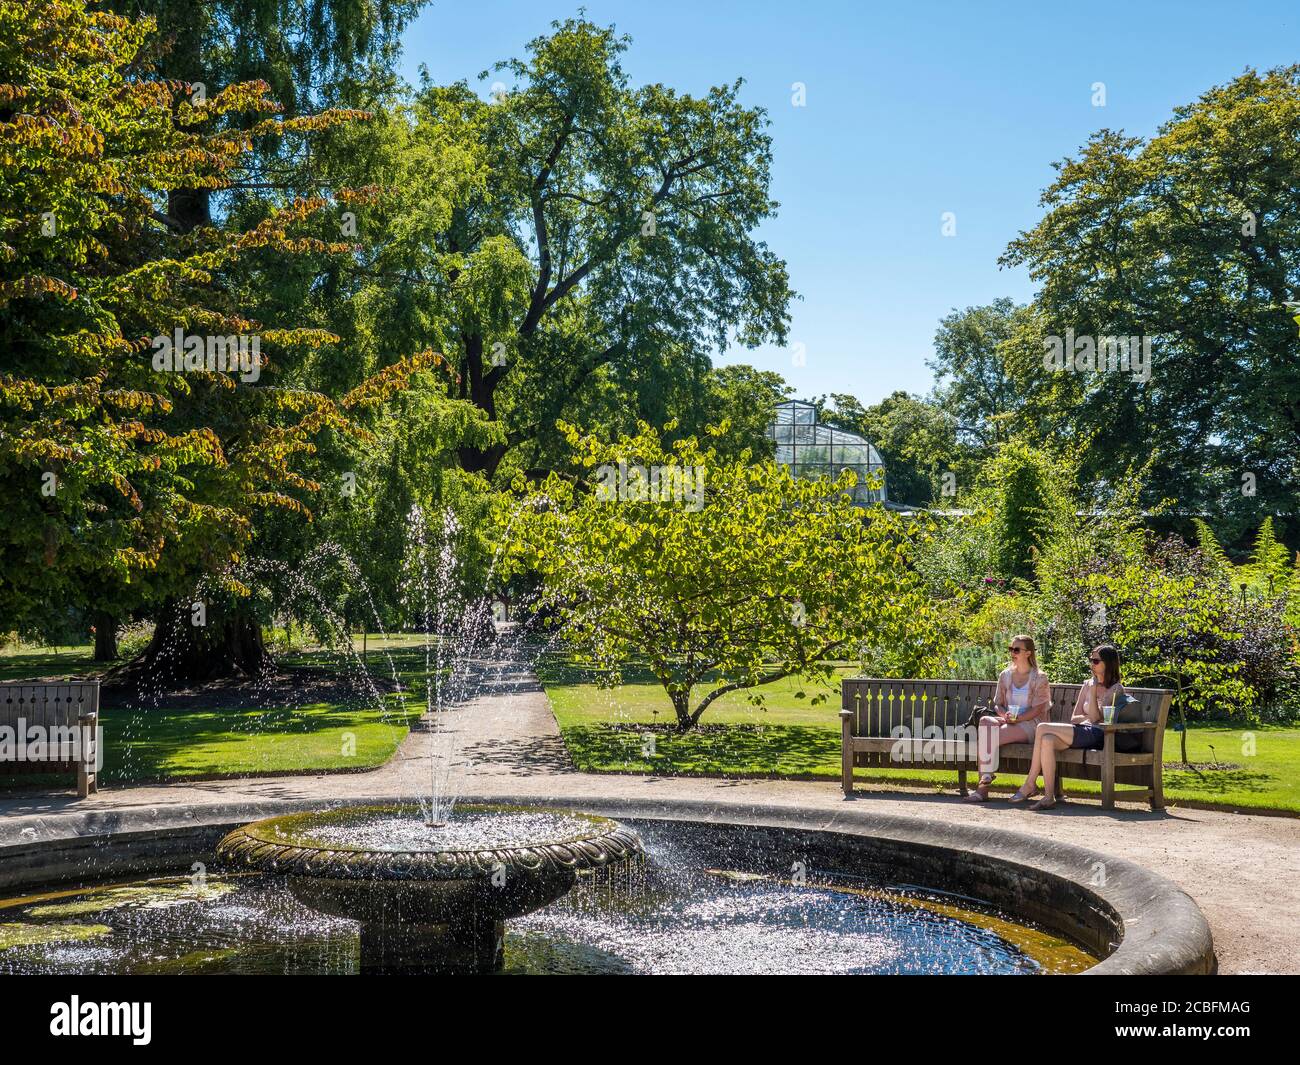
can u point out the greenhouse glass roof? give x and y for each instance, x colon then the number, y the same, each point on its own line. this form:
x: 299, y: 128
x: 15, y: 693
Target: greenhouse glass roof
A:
x: 812, y: 449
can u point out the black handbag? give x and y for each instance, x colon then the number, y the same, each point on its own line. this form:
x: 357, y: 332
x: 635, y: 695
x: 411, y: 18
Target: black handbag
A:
x: 978, y: 711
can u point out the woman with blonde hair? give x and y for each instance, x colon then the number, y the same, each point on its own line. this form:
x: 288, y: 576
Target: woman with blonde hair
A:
x: 1022, y: 700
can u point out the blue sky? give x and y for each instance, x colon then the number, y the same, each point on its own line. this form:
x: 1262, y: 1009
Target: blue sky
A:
x: 913, y: 110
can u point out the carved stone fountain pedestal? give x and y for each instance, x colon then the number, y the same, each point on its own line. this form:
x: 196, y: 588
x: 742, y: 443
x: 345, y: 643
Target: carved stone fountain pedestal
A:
x: 427, y: 908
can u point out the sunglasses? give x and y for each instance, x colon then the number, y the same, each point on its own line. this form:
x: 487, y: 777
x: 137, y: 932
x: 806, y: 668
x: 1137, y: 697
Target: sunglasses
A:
x: 1015, y: 650
x: 1095, y: 661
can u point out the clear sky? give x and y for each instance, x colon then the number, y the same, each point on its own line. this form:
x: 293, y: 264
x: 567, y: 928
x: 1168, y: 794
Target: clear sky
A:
x: 912, y: 110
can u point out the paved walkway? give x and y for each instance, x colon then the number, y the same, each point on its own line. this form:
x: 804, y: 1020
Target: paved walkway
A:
x: 1243, y: 870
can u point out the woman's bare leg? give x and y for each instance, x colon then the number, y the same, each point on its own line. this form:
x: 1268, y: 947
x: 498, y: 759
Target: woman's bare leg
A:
x: 1050, y: 738
x: 1035, y: 767
x: 1045, y: 730
x: 1049, y: 764
x: 988, y: 743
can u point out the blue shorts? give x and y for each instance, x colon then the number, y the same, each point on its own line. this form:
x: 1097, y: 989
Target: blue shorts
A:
x: 1088, y: 738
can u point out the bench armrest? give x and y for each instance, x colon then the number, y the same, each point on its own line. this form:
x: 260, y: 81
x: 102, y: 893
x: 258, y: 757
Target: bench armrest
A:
x: 1127, y: 726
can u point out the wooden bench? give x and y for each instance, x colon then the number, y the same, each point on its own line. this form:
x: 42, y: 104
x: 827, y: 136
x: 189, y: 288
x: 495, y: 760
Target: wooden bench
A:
x: 67, y: 714
x: 873, y: 708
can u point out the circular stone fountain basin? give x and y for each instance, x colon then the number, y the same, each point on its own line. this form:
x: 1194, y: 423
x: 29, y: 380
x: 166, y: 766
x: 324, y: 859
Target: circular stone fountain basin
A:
x: 430, y: 897
x: 690, y: 915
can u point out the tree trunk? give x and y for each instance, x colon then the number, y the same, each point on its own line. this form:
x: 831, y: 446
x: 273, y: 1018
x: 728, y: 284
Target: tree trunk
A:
x: 184, y: 655
x: 105, y: 636
x: 190, y: 208
x: 682, y: 708
x: 1182, y: 717
x: 478, y: 384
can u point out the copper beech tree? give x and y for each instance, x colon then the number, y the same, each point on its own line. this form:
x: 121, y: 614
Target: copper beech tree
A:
x: 123, y: 484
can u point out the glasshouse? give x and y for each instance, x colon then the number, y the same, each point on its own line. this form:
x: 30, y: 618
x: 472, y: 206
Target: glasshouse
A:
x: 812, y: 449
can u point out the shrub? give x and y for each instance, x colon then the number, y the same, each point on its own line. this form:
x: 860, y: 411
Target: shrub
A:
x: 133, y: 639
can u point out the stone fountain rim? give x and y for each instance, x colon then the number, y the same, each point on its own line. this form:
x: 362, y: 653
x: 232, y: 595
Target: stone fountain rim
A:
x: 247, y: 847
x: 1161, y: 929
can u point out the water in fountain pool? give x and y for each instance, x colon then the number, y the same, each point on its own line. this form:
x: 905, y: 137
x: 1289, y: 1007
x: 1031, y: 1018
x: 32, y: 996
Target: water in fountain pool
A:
x: 676, y: 914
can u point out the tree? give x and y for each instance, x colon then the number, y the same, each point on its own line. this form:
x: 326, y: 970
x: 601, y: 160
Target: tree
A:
x: 607, y: 242
x: 974, y: 383
x: 1021, y: 501
x: 310, y: 55
x: 374, y: 302
x: 124, y: 478
x: 736, y: 580
x: 1175, y: 620
x: 1191, y: 240
x: 738, y: 395
x: 917, y: 442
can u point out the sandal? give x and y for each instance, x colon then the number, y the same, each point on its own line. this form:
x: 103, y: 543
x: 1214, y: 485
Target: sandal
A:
x: 980, y: 794
x: 1020, y: 797
x: 1044, y: 804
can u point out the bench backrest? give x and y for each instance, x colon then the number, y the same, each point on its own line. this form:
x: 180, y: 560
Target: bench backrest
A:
x: 881, y: 704
x: 52, y: 705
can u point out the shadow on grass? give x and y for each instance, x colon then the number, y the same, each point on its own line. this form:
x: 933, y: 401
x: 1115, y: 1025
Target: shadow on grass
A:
x: 154, y: 744
x: 765, y: 750
x: 294, y: 721
x: 1218, y: 782
x: 806, y: 751
x: 563, y: 670
x: 43, y: 665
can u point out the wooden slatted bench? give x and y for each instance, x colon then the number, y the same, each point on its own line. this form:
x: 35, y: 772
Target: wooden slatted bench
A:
x: 874, y: 709
x: 67, y: 715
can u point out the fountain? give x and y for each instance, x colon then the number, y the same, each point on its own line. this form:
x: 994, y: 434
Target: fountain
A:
x: 431, y: 898
x: 431, y: 883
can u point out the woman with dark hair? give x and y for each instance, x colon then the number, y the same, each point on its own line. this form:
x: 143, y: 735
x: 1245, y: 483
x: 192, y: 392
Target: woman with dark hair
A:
x: 1084, y: 731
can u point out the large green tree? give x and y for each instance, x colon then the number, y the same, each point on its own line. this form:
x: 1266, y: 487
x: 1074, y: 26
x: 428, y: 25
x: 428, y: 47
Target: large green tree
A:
x: 916, y: 439
x: 974, y: 382
x: 1190, y: 238
x: 606, y: 241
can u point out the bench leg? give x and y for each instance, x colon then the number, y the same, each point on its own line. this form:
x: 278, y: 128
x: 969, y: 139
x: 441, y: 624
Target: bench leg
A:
x: 1157, y: 788
x: 961, y: 781
x: 87, y: 764
x: 846, y: 752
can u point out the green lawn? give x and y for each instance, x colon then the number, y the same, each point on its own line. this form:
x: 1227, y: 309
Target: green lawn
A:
x: 210, y: 738
x: 605, y: 729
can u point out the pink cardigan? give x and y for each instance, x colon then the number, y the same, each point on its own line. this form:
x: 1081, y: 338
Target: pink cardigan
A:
x: 1040, y: 694
x: 1105, y: 696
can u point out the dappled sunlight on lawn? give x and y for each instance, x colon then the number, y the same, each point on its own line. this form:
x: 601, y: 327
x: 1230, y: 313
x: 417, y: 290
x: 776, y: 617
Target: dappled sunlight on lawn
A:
x: 610, y: 730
